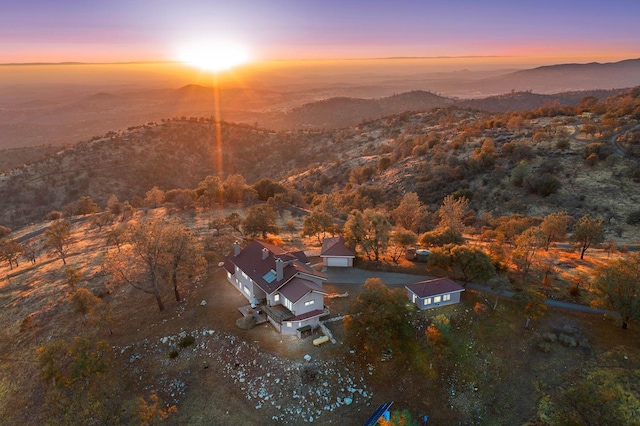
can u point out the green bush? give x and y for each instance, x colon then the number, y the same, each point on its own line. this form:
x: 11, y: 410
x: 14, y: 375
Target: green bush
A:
x: 634, y: 218
x: 186, y: 341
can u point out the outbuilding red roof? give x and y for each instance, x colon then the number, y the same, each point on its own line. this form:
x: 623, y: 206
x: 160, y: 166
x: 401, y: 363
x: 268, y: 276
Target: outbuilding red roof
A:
x: 335, y: 246
x: 434, y: 287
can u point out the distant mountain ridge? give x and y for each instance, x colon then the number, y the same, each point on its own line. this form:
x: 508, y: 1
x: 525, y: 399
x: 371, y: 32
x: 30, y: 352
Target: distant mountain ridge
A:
x: 67, y: 114
x: 343, y: 112
x: 566, y: 77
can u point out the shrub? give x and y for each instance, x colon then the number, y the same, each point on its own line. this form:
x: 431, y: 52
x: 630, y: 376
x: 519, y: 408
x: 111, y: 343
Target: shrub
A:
x: 550, y: 337
x: 574, y: 290
x: 543, y: 185
x: 544, y: 347
x: 384, y: 163
x: 563, y: 144
x: 186, y: 341
x: 173, y: 354
x: 634, y: 218
x: 54, y: 215
x: 567, y: 340
x: 4, y: 231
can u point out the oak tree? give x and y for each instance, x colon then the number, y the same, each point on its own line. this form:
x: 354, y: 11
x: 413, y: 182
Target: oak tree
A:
x: 588, y: 232
x: 379, y: 318
x: 260, y: 220
x: 555, y: 226
x: 617, y: 285
x: 318, y: 224
x: 410, y: 212
x: 58, y: 236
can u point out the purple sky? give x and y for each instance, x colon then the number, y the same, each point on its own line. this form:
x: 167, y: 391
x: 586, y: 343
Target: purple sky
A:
x: 145, y: 30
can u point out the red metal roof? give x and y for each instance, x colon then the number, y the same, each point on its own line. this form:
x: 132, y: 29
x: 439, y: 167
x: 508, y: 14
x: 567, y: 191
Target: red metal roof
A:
x: 297, y: 288
x: 335, y: 246
x: 307, y: 315
x: 251, y: 262
x: 434, y: 287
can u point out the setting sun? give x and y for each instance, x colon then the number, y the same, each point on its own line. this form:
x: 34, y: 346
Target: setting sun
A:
x: 214, y: 56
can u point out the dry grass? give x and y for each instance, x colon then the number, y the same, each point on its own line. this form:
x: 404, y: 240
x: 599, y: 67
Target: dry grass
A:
x: 491, y: 350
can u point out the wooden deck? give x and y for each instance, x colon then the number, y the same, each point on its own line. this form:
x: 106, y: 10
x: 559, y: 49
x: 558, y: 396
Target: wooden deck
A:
x: 278, y: 313
x: 257, y: 313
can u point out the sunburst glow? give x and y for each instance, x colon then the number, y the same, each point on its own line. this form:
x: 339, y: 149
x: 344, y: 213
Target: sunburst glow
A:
x: 214, y: 56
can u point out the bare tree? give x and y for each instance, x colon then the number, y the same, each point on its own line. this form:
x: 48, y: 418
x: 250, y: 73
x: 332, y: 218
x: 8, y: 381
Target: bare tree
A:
x: 453, y: 212
x: 139, y: 262
x: 184, y: 255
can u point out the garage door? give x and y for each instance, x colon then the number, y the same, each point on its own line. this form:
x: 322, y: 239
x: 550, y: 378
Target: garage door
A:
x: 338, y: 261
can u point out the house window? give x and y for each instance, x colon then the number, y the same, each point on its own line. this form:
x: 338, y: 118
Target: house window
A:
x: 309, y: 302
x: 288, y: 303
x: 427, y: 301
x: 246, y: 290
x: 276, y: 298
x: 413, y: 299
x: 288, y: 324
x: 437, y: 299
x: 446, y: 297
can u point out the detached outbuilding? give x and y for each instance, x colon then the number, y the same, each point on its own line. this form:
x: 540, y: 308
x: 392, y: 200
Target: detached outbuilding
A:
x: 336, y: 253
x: 433, y: 293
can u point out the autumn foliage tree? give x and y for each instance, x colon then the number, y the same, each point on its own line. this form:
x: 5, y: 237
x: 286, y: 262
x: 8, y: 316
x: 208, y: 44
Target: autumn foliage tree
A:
x: 318, y: 224
x: 11, y: 250
x: 410, y: 212
x: 58, y: 236
x: 555, y: 226
x: 453, y: 212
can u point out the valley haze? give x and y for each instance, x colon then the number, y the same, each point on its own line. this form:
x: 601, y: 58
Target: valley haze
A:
x: 58, y: 104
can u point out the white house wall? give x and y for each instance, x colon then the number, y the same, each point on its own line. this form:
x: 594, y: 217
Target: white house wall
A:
x: 308, y: 303
x: 454, y: 298
x: 340, y: 262
x: 246, y: 286
x: 290, y: 327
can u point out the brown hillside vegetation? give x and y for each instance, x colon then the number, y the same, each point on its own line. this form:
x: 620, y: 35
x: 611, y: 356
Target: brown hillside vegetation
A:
x: 470, y: 364
x: 549, y: 159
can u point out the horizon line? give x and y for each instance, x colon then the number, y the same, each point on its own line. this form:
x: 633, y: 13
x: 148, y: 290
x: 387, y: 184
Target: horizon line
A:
x: 390, y: 58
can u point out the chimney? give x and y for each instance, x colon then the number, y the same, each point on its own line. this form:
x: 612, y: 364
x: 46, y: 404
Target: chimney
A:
x: 236, y: 248
x: 279, y: 269
x: 265, y: 253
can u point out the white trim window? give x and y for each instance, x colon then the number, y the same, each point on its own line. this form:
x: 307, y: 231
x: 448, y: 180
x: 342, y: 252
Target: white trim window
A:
x: 309, y: 302
x: 437, y: 299
x: 427, y: 301
x: 287, y: 303
x: 276, y: 298
x: 446, y: 297
x: 246, y: 290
